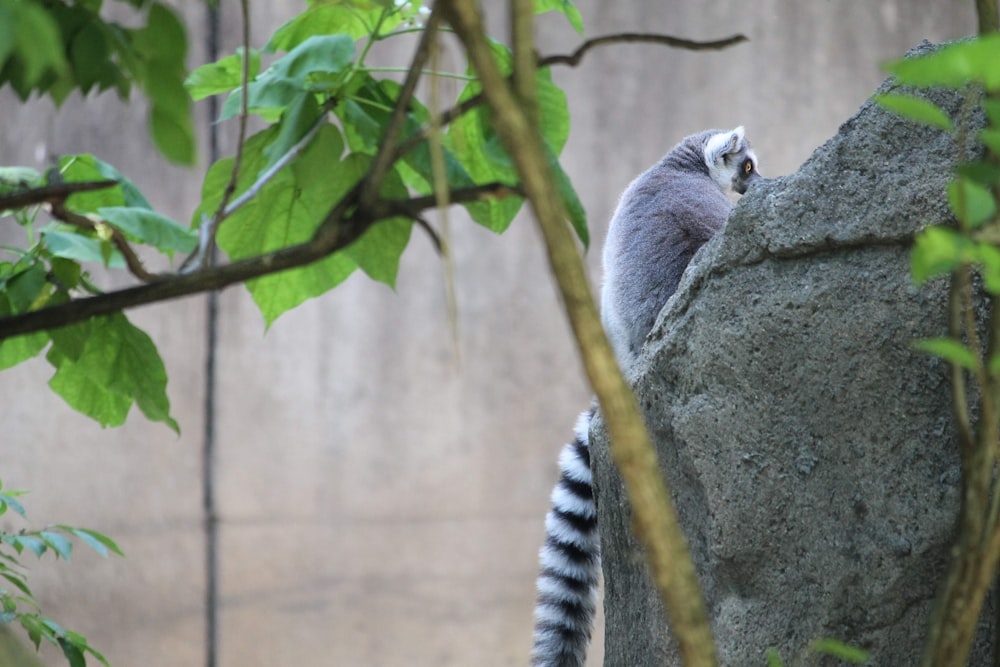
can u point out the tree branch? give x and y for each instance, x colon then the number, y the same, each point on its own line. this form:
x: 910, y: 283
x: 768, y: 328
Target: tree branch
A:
x: 573, y: 59
x: 656, y: 522
x: 49, y: 193
x: 335, y: 232
x: 132, y: 261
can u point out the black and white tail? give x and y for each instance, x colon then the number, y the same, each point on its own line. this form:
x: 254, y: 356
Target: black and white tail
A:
x: 570, y: 561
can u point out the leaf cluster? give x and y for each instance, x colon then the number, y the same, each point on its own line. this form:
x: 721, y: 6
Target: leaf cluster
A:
x: 54, y: 47
x: 18, y: 604
x: 326, y: 113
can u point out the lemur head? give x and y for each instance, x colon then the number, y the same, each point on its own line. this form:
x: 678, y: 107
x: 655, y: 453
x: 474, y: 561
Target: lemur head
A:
x: 730, y: 160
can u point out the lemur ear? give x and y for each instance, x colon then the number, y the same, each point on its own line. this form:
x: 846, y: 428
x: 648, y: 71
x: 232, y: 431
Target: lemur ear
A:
x: 722, y: 144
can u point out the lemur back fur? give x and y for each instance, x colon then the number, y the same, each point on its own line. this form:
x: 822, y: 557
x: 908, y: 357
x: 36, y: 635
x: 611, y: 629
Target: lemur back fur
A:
x: 662, y: 219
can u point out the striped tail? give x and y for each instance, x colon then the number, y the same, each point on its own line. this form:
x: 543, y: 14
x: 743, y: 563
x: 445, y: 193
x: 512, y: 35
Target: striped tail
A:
x: 570, y: 561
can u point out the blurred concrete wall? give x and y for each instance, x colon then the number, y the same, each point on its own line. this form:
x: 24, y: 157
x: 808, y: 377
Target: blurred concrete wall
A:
x: 377, y: 502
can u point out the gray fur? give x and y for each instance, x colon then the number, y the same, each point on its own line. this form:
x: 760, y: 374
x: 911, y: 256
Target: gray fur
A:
x: 663, y: 217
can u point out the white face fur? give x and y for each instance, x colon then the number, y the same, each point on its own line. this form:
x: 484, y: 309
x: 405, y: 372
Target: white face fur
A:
x: 731, y: 162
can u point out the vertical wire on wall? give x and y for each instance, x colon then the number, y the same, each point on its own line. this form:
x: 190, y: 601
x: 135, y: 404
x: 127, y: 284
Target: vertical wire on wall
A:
x: 208, y: 443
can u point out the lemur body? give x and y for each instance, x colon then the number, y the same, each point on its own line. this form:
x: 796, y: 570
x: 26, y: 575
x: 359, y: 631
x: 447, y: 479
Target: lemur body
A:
x: 663, y: 217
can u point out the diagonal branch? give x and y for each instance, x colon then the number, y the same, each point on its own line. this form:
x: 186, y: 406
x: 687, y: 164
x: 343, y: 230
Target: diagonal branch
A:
x: 342, y: 225
x: 50, y: 193
x: 135, y: 266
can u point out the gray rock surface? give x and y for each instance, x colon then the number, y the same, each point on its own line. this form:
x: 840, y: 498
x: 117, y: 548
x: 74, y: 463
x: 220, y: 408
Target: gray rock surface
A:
x: 809, y: 448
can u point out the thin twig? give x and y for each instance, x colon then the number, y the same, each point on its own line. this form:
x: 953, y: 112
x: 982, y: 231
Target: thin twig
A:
x: 206, y: 242
x: 135, y: 266
x: 386, y: 155
x: 573, y: 59
x: 432, y: 233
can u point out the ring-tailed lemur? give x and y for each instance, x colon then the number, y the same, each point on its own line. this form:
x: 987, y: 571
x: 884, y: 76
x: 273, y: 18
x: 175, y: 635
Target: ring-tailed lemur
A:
x: 662, y: 219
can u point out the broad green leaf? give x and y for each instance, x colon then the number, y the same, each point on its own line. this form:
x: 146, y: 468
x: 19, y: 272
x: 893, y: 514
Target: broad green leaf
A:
x: 72, y: 245
x: 554, y: 111
x: 949, y: 350
x: 954, y: 65
x: 69, y: 341
x: 774, y: 658
x: 287, y: 211
x: 991, y: 137
x: 938, y: 250
x: 72, y: 653
x: 119, y: 366
x: 298, y: 118
x: 32, y: 543
x: 25, y: 287
x: 13, y: 179
x: 328, y: 17
x: 992, y: 108
x: 100, y: 543
x: 10, y: 501
x: 378, y: 250
x: 86, y: 167
x: 838, y: 649
x: 38, y: 48
x: 280, y: 84
x: 980, y: 172
x: 151, y: 228
x: 916, y: 109
x: 173, y: 134
x: 989, y: 257
x: 21, y: 348
x: 971, y: 202
x: 566, y: 7
x: 58, y: 543
x: 222, y: 76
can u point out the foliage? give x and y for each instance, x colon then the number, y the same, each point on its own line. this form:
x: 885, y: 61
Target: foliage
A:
x: 19, y: 604
x: 971, y: 245
x: 325, y: 111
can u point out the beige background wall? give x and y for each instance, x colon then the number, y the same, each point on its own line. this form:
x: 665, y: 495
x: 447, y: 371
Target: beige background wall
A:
x: 379, y: 503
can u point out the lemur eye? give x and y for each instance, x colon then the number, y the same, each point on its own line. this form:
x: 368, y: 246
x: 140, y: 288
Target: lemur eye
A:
x: 747, y: 167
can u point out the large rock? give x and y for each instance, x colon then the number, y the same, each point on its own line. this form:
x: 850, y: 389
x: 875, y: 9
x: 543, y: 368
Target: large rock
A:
x: 809, y: 448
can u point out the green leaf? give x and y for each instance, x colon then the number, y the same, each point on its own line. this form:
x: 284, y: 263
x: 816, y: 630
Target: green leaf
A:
x: 222, y: 76
x: 31, y: 542
x: 916, y: 109
x: 151, y: 228
x: 72, y: 653
x: 838, y: 649
x: 949, y: 350
x: 378, y: 250
x: 774, y: 658
x: 100, y: 543
x: 17, y: 581
x: 38, y: 45
x: 971, y: 202
x: 8, y: 500
x: 327, y: 17
x: 991, y: 138
x: 173, y: 134
x: 24, y: 288
x: 298, y: 118
x: 937, y: 251
x: 58, y: 543
x: 989, y: 256
x: 954, y: 65
x: 566, y: 7
x: 571, y: 202
x: 80, y: 248
x: 281, y: 84
x: 119, y: 366
x: 86, y: 167
x: 16, y: 349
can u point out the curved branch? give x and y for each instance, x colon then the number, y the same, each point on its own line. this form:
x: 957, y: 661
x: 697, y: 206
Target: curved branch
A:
x: 573, y: 59
x: 50, y: 193
x: 132, y: 261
